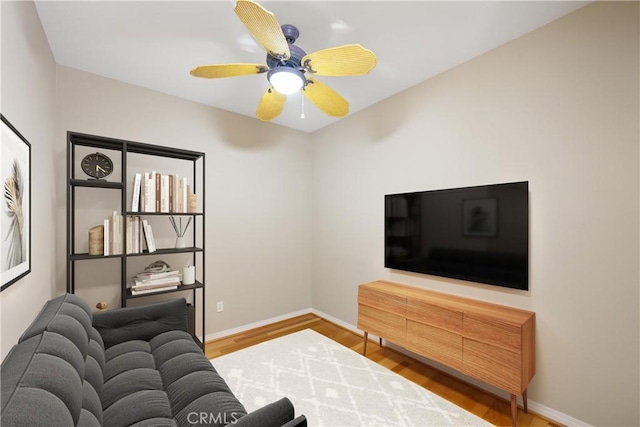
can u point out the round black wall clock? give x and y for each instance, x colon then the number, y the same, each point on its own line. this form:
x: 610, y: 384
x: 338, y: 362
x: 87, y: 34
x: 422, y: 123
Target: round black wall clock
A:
x: 97, y: 165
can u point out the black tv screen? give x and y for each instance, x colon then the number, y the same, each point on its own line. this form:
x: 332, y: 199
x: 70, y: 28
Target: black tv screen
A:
x: 480, y: 234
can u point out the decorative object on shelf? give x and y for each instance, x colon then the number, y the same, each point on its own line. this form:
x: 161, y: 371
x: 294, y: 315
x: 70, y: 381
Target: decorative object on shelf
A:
x: 96, y: 240
x: 189, y: 275
x: 193, y: 202
x: 15, y: 168
x: 157, y: 277
x: 157, y: 267
x: 177, y: 227
x: 97, y: 165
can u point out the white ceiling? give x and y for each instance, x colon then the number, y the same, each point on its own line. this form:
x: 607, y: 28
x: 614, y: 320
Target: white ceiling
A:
x: 155, y: 44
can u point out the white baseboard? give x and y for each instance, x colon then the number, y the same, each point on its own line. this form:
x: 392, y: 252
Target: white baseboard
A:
x: 536, y: 407
x: 244, y: 328
x: 557, y: 416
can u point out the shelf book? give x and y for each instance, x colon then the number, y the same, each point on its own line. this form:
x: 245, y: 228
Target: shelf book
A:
x: 138, y: 231
x: 155, y: 192
x: 148, y: 235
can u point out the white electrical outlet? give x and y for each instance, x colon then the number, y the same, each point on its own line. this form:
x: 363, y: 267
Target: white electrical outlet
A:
x: 220, y: 306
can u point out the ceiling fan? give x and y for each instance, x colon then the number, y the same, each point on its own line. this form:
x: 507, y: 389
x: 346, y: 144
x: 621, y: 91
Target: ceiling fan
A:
x: 289, y: 68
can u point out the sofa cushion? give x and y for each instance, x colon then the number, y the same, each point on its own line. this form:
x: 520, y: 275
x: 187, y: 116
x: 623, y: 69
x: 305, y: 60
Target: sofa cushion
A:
x: 68, y: 315
x: 136, y: 407
x: 14, y: 366
x: 172, y: 374
x: 94, y: 368
x: 133, y: 389
x: 122, y: 363
x: 131, y: 323
x: 130, y: 382
x: 34, y: 378
x: 88, y: 419
x: 51, y: 411
x: 91, y: 413
x: 50, y: 369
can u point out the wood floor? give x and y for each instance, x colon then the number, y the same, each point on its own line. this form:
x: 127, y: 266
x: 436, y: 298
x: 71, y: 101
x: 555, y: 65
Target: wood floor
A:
x: 485, y: 405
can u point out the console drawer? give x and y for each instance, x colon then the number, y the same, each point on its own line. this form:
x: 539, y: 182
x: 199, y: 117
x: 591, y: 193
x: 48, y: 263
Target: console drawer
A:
x: 385, y: 301
x: 435, y: 343
x: 430, y: 314
x: 384, y: 324
x: 494, y: 365
x: 486, y: 330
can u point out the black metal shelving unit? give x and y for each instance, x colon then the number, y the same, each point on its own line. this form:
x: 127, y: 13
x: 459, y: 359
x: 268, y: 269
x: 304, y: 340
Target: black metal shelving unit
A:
x: 74, y: 140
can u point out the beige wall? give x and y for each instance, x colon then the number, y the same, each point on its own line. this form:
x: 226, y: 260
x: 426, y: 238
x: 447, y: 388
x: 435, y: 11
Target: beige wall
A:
x: 28, y: 102
x: 557, y: 107
x: 258, y: 205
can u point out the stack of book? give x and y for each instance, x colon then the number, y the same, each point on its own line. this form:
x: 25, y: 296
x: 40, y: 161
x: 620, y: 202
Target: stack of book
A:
x: 148, y: 282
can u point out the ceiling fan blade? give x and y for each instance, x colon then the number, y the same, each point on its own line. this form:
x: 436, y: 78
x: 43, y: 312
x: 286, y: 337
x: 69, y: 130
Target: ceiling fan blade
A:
x: 347, y: 60
x: 270, y: 105
x: 228, y: 70
x: 326, y: 99
x: 264, y: 27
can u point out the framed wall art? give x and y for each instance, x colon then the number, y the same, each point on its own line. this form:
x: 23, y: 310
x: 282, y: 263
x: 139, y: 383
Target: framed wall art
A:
x: 15, y: 215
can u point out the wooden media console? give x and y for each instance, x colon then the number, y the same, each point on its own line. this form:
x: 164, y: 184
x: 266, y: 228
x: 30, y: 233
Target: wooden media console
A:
x: 489, y: 342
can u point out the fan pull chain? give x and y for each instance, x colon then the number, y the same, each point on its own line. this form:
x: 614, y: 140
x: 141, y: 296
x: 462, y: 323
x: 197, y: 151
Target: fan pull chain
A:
x: 302, y: 116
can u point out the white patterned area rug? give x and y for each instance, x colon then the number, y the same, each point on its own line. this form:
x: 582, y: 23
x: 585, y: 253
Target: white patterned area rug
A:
x: 333, y: 385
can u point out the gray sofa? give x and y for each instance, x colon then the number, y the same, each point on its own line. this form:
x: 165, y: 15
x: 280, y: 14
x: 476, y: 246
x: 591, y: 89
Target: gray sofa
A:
x: 126, y: 367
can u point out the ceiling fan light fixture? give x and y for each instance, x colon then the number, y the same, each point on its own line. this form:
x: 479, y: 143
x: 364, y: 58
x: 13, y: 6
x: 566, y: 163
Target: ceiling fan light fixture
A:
x: 286, y: 80
x: 289, y: 68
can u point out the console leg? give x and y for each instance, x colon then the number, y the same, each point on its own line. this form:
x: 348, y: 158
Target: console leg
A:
x: 514, y: 410
x: 380, y: 341
x: 366, y: 338
x: 524, y: 400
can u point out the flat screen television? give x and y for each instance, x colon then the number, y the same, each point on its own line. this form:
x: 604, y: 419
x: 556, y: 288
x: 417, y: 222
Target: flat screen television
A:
x: 480, y: 234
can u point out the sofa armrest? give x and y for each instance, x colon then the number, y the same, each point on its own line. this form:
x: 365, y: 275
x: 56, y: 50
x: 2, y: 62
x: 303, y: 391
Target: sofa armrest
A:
x: 300, y: 421
x: 140, y: 323
x: 275, y: 414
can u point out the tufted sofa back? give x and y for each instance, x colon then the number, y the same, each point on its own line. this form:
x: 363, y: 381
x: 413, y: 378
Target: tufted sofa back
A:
x: 58, y: 363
